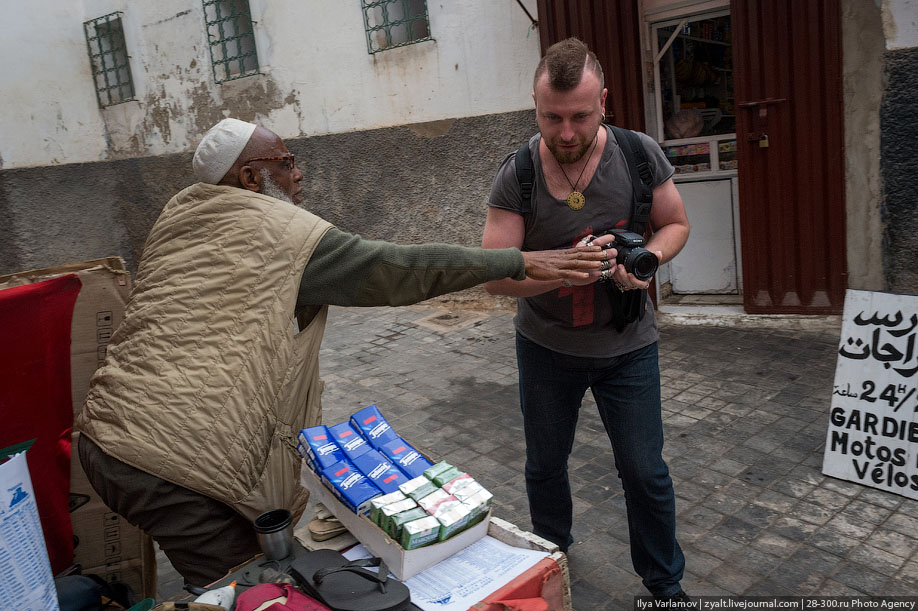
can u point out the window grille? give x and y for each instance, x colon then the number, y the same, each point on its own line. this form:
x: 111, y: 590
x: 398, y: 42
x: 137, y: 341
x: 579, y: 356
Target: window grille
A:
x: 111, y: 69
x: 395, y: 23
x: 232, y: 41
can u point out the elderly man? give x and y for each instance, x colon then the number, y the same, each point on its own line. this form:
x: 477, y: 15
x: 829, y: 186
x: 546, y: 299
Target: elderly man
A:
x: 189, y: 429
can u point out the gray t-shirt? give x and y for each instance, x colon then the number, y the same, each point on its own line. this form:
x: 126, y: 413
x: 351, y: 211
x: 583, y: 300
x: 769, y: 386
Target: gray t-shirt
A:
x: 576, y: 320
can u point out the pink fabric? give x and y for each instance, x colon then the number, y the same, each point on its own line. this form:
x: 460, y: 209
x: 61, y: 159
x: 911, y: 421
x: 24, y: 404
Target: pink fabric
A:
x: 296, y: 600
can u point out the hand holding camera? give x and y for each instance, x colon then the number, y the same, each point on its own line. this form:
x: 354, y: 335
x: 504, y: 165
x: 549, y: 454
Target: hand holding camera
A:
x: 631, y: 255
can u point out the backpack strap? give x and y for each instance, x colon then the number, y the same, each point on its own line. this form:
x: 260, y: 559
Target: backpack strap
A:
x: 631, y: 306
x: 525, y: 174
x: 641, y: 178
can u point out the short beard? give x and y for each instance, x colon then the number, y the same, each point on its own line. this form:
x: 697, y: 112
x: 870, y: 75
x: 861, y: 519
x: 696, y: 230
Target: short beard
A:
x: 567, y: 157
x: 270, y: 188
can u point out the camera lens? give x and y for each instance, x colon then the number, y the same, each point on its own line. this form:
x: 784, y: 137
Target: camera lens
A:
x: 642, y: 263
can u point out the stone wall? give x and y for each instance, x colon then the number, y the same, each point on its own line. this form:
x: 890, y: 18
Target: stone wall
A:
x: 417, y: 183
x: 899, y: 128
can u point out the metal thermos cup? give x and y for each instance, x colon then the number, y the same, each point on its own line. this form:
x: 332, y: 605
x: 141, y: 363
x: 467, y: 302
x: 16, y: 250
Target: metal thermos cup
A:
x: 274, y: 530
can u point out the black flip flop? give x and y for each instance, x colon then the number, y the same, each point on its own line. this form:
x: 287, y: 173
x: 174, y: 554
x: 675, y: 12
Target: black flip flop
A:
x: 346, y: 585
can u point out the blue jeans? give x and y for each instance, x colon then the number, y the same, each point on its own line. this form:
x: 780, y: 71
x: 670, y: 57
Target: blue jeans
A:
x: 627, y: 393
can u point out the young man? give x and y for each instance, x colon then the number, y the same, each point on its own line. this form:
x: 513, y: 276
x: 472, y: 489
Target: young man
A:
x: 189, y: 428
x: 566, y: 341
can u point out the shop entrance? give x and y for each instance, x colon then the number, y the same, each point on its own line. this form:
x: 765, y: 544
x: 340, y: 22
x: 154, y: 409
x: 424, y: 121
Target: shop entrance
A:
x: 694, y: 120
x: 759, y: 155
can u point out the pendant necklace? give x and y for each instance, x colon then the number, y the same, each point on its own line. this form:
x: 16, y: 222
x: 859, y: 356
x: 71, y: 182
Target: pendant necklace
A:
x: 576, y: 200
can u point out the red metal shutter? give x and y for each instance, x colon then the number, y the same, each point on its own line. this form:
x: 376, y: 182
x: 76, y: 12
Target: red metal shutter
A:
x: 612, y: 31
x: 787, y: 61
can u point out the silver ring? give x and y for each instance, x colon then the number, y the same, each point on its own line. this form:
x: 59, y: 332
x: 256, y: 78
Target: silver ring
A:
x: 567, y: 283
x: 604, y: 265
x: 605, y: 274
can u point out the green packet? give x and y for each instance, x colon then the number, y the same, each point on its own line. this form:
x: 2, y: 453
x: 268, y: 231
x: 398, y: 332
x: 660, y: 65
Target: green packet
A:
x: 418, y: 487
x: 377, y: 503
x: 419, y: 533
x: 435, y: 470
x: 399, y: 520
x: 453, y: 520
x: 444, y: 477
x: 392, y: 509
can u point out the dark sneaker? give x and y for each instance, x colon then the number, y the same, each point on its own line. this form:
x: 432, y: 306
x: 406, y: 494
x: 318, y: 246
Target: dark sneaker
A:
x: 679, y: 600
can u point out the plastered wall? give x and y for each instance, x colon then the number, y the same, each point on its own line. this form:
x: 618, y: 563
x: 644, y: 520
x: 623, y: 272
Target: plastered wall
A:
x: 317, y: 76
x: 898, y: 113
x: 862, y: 66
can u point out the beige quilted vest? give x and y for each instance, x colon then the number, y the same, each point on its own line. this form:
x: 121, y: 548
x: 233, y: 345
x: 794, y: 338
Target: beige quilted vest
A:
x: 206, y: 383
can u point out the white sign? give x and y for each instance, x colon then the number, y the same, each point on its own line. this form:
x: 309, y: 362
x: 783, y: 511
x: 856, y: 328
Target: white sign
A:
x: 25, y: 572
x: 873, y: 423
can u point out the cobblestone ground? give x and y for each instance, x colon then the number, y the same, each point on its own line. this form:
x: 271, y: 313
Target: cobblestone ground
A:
x: 745, y: 413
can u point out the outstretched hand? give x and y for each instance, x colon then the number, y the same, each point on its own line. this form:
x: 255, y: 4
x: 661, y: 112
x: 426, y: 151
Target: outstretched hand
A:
x: 573, y: 264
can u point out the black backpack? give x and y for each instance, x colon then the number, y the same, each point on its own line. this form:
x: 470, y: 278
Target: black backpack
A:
x: 630, y: 305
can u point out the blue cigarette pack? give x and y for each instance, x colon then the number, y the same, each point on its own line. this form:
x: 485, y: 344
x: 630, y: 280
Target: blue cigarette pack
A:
x: 350, y: 486
x: 405, y: 457
x: 318, y: 448
x: 349, y: 440
x: 371, y: 424
x: 377, y: 468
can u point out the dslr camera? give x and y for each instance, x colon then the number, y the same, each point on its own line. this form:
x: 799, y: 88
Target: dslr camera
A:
x: 632, y: 254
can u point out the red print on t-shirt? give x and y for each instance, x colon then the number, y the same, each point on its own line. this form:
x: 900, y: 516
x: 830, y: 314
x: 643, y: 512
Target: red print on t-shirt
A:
x: 582, y: 296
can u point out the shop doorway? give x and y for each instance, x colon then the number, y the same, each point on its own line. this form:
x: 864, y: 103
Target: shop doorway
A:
x: 693, y: 117
x: 765, y: 174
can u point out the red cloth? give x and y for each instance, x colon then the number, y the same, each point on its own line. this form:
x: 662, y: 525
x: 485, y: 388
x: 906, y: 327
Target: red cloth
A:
x: 35, y: 398
x: 541, y: 588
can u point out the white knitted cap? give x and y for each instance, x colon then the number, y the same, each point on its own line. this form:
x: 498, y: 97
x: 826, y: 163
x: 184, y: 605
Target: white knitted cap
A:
x: 220, y: 148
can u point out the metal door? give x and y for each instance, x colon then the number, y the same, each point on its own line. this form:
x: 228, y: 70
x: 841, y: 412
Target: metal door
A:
x: 787, y: 61
x: 612, y: 31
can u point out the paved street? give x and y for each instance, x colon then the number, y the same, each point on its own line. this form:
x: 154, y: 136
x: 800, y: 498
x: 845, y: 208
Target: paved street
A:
x: 745, y: 410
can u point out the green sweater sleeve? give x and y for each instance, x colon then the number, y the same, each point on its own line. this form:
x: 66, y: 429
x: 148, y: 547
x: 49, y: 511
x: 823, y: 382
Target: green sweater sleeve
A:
x: 348, y: 270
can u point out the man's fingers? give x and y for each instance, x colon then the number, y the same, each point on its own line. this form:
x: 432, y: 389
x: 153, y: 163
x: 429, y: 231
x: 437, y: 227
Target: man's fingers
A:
x: 581, y: 260
x: 588, y: 253
x: 603, y: 240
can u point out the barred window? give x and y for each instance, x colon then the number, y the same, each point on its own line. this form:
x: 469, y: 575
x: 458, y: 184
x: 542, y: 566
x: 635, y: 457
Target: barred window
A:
x: 111, y: 69
x: 395, y: 23
x: 232, y: 41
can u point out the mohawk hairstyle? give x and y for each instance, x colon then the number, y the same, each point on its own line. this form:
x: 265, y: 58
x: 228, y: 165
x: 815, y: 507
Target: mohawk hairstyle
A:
x: 565, y: 63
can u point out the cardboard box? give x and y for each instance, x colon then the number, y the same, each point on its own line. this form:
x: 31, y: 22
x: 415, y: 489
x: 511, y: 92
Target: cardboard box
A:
x: 105, y: 544
x: 402, y: 563
x: 548, y: 580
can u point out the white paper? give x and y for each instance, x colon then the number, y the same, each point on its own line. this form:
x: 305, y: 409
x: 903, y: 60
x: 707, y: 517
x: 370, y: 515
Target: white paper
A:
x: 466, y: 577
x: 25, y: 571
x: 872, y: 437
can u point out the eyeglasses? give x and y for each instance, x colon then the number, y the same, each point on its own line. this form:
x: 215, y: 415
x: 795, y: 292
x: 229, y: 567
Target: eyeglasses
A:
x: 289, y: 158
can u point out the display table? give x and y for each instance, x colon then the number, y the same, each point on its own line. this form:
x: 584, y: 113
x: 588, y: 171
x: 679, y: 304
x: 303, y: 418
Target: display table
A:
x: 545, y: 586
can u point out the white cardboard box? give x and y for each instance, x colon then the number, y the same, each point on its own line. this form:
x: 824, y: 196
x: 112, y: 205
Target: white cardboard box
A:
x: 401, y: 562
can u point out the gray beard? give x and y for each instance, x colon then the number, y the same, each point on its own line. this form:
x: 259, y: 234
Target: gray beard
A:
x: 270, y: 188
